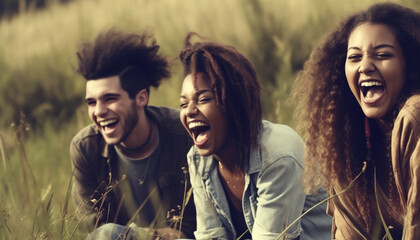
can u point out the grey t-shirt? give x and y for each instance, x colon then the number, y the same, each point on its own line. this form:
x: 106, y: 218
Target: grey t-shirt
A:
x: 141, y: 175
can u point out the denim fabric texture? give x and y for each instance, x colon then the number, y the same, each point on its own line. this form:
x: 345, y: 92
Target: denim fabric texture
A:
x: 273, y: 194
x: 113, y: 231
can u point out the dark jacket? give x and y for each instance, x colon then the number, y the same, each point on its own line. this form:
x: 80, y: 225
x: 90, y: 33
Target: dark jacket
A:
x: 99, y: 195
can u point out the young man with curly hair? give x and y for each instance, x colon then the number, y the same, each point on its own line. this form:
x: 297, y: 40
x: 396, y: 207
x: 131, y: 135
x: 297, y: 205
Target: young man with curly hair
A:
x: 128, y: 165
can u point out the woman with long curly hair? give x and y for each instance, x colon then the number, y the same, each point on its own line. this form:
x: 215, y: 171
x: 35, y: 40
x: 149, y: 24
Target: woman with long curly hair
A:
x: 245, y: 172
x: 359, y: 103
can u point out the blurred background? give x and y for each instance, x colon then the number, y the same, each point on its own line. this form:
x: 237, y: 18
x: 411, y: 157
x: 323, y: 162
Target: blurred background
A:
x: 41, y: 96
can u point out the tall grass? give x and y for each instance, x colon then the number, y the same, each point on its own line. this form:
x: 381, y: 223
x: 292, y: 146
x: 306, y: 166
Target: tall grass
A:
x: 37, y: 61
x: 35, y: 182
x: 38, y: 48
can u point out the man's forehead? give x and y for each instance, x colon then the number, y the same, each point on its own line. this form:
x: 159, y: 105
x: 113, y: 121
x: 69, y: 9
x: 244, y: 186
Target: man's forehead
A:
x: 99, y: 87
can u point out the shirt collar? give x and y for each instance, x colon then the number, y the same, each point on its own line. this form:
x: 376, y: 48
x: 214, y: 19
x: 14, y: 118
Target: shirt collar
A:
x: 255, y: 161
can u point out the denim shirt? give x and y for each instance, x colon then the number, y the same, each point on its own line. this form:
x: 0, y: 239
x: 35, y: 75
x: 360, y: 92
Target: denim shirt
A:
x: 273, y: 195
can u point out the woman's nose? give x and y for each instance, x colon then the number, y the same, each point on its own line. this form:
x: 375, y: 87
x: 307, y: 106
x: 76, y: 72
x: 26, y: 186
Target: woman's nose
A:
x: 191, y: 109
x: 366, y: 66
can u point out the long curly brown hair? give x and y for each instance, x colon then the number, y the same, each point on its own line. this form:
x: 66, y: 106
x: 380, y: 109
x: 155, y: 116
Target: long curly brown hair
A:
x: 331, y: 116
x: 236, y: 87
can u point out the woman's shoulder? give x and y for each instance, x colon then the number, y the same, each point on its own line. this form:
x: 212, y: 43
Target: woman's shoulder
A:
x: 278, y: 131
x: 410, y: 113
x: 412, y: 107
x: 277, y: 141
x: 406, y: 129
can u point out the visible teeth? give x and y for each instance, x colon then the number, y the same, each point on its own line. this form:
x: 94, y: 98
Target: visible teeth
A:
x: 196, y: 124
x: 370, y: 84
x: 108, y: 122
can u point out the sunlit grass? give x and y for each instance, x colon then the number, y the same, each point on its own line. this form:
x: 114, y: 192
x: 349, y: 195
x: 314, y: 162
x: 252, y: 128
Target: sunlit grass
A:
x: 37, y: 54
x: 35, y: 185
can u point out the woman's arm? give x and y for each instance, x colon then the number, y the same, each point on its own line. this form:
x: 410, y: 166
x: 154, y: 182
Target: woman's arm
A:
x: 280, y: 199
x: 412, y: 218
x: 405, y: 150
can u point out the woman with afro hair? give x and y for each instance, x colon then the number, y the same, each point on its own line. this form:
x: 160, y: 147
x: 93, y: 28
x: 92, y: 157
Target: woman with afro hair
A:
x: 359, y: 102
x: 245, y: 172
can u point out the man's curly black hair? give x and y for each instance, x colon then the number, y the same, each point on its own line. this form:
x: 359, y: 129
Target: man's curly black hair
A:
x: 133, y: 57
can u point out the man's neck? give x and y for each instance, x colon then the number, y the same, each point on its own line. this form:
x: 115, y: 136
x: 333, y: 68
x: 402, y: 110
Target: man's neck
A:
x: 147, y: 145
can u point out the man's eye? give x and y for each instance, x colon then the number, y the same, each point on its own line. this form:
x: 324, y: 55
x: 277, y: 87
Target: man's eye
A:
x: 110, y: 99
x: 183, y: 105
x: 90, y: 103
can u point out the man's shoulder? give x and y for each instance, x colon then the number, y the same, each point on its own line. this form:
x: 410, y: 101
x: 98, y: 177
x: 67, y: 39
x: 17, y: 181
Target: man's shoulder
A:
x: 167, y: 119
x: 87, y: 144
x: 87, y: 133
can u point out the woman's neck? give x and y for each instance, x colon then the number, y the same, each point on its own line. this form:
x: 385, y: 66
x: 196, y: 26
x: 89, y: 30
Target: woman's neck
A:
x: 228, y: 158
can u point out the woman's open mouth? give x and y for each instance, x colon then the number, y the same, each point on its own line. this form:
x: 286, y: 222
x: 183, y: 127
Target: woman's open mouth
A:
x: 372, y: 91
x: 200, y: 132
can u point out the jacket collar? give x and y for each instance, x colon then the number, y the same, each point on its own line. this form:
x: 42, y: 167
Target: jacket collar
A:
x: 255, y: 161
x: 104, y: 148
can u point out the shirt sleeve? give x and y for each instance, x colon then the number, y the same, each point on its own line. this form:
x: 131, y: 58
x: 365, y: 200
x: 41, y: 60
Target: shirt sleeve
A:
x: 86, y: 197
x: 405, y: 151
x: 316, y: 224
x: 280, y: 199
x: 412, y: 219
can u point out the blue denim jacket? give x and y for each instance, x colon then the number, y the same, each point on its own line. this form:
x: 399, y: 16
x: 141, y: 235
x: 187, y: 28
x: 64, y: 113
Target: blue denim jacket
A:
x: 273, y: 195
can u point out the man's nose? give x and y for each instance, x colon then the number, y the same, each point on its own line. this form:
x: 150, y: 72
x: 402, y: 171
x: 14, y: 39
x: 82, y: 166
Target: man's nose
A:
x: 100, y: 109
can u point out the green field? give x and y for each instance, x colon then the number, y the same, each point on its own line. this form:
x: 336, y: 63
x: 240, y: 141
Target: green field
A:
x: 38, y: 81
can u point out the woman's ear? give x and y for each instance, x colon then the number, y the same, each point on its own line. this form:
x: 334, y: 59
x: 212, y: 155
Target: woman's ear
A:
x: 142, y: 98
